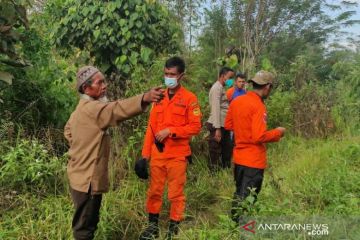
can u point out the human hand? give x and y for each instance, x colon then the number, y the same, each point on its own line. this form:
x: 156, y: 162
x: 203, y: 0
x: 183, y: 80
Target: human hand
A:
x: 161, y: 135
x: 282, y: 130
x: 217, y: 136
x: 155, y: 94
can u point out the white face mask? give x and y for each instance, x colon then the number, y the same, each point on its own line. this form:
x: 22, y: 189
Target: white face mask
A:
x: 171, y: 82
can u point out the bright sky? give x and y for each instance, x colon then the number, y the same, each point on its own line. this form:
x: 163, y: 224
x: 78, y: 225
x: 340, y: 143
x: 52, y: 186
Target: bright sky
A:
x: 354, y: 31
x: 356, y: 28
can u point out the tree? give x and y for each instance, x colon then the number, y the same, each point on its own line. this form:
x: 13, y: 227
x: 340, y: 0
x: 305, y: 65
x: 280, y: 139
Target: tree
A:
x: 13, y: 18
x: 256, y: 23
x: 215, y: 33
x: 188, y: 14
x: 119, y: 35
x: 38, y: 94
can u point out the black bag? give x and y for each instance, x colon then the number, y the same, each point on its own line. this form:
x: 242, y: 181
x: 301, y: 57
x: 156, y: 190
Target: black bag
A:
x: 141, y: 168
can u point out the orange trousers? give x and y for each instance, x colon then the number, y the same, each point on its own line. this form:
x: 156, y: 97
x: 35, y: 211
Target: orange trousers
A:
x: 172, y: 171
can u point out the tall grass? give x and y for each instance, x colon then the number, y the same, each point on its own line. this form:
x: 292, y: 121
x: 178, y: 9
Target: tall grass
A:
x: 305, y: 178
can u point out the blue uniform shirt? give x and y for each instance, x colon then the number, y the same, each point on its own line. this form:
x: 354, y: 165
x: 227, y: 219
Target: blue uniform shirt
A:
x: 238, y: 92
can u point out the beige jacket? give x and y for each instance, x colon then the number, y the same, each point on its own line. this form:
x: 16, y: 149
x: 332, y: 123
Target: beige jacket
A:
x: 218, y: 105
x: 90, y: 143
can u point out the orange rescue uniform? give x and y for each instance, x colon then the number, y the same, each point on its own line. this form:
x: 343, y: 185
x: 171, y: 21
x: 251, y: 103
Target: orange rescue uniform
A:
x: 229, y: 93
x: 247, y: 117
x: 182, y: 116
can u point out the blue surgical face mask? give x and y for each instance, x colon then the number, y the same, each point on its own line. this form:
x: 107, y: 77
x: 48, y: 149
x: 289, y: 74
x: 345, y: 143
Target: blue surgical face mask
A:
x: 171, y: 82
x: 229, y: 82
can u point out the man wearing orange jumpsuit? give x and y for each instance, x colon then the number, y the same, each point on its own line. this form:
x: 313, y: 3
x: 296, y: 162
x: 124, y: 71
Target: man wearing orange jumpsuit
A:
x: 171, y: 124
x: 247, y: 117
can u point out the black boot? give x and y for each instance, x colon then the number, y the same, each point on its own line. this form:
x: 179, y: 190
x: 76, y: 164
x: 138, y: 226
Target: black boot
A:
x: 173, y: 229
x: 152, y: 230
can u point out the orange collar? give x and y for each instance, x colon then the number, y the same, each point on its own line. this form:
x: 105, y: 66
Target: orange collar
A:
x: 177, y: 94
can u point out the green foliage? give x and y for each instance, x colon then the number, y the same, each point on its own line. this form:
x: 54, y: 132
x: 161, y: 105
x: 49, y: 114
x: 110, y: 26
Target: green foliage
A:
x: 53, y: 217
x: 317, y: 93
x: 307, y: 95
x: 266, y: 65
x: 328, y: 166
x: 280, y: 110
x: 41, y: 95
x: 118, y: 34
x: 305, y: 178
x: 13, y: 18
x: 212, y: 43
x: 29, y: 166
x: 205, y: 75
x: 231, y: 61
x: 312, y: 111
x: 277, y: 29
x: 347, y: 110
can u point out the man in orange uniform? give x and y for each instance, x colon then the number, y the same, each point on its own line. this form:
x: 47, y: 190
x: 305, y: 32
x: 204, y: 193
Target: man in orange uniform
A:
x: 247, y: 118
x: 171, y: 124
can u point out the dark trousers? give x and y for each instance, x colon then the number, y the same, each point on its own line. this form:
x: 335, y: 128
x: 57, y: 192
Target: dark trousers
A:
x: 220, y: 152
x: 86, y: 217
x: 246, y: 178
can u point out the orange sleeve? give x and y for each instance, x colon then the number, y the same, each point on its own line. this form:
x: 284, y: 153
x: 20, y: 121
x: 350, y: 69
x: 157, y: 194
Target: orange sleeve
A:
x: 229, y: 93
x: 193, y: 126
x: 228, y: 125
x: 149, y: 136
x: 258, y: 128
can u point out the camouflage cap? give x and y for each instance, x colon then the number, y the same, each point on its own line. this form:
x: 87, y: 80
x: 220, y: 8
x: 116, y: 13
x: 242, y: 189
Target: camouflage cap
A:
x: 263, y: 77
x: 84, y: 74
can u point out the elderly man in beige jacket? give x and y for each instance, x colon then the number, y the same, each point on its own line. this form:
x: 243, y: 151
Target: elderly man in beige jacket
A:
x: 89, y: 141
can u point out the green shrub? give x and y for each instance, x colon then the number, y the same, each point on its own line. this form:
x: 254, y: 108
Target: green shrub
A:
x: 346, y: 112
x: 279, y: 107
x: 28, y: 166
x: 320, y: 176
x: 35, y: 218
